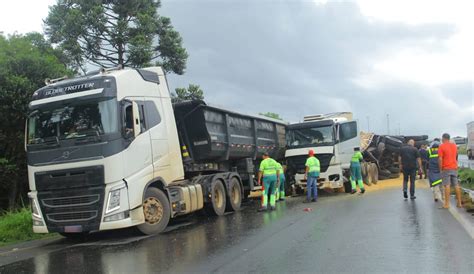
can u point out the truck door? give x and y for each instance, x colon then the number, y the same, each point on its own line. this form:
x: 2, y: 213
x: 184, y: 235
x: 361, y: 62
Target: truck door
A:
x: 158, y: 135
x: 137, y: 156
x: 348, y: 139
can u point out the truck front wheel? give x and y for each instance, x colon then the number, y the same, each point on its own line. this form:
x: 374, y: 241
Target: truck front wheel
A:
x: 156, y: 210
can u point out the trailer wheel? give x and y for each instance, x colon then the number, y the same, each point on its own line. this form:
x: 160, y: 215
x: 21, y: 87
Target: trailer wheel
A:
x: 365, y: 174
x: 375, y: 173
x: 156, y: 209
x: 218, y: 199
x: 234, y: 195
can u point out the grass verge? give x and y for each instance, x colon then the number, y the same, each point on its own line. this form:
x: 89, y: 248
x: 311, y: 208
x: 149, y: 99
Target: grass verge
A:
x: 466, y: 177
x: 17, y: 226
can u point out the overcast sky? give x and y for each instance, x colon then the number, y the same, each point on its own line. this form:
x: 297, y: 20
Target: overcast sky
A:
x: 412, y: 60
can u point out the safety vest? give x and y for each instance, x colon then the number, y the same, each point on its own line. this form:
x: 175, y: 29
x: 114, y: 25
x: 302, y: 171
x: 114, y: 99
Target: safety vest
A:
x: 357, y: 157
x: 433, y: 167
x: 268, y: 167
x: 433, y: 152
x: 313, y: 164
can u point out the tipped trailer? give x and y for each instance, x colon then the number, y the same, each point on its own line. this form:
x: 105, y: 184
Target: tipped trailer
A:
x: 109, y: 150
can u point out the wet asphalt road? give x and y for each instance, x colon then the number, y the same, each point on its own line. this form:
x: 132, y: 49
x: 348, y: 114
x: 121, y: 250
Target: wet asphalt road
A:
x: 376, y: 232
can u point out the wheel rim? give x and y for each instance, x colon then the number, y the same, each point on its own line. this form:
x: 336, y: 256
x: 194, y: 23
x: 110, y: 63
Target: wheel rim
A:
x: 153, y: 210
x: 235, y: 194
x: 218, y: 197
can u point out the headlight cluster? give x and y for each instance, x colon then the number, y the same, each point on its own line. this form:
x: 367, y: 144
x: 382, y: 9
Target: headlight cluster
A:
x: 37, y: 220
x: 113, y: 201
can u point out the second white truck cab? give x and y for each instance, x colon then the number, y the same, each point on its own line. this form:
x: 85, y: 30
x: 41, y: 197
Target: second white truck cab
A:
x: 332, y: 137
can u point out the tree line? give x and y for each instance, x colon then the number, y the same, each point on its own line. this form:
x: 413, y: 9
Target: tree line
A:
x: 77, y: 35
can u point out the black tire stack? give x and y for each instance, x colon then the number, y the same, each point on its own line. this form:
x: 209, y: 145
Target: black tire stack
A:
x: 383, y: 152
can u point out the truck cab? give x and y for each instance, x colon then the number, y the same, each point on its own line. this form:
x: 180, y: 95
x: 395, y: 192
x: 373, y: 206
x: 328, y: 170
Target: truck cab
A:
x: 93, y: 145
x: 332, y: 137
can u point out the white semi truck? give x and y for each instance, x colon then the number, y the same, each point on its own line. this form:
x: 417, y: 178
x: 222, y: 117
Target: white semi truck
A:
x: 470, y: 140
x: 109, y: 150
x: 332, y: 137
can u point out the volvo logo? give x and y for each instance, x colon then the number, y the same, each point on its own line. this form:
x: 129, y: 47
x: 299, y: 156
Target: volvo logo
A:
x: 66, y: 154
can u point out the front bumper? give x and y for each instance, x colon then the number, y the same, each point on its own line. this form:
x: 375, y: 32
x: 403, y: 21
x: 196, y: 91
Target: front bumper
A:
x: 89, y: 212
x: 332, y: 178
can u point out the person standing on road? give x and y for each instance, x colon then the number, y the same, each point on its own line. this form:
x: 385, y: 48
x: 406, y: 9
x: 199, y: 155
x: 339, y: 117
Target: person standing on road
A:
x: 269, y: 172
x: 424, y: 160
x: 410, y: 161
x: 280, y: 189
x: 311, y: 176
x: 356, y: 171
x: 434, y: 174
x: 448, y: 164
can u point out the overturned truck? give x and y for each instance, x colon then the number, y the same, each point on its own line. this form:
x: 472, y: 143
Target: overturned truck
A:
x: 381, y: 154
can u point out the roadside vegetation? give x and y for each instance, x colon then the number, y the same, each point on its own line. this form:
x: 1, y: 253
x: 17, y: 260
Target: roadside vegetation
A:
x: 466, y: 177
x: 16, y: 226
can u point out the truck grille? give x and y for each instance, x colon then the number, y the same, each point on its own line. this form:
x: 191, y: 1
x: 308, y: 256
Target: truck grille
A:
x: 79, y: 216
x: 297, y: 163
x: 73, y: 199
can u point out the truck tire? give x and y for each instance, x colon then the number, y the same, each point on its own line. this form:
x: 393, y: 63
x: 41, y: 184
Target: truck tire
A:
x: 392, y: 148
x: 394, y: 169
x: 234, y: 195
x: 393, y: 141
x: 156, y: 209
x: 365, y: 174
x: 218, y: 199
x: 375, y: 173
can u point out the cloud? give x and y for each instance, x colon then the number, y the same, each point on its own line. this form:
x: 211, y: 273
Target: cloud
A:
x: 298, y: 57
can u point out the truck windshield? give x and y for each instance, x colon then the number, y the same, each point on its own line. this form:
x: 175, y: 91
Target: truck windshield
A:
x: 74, y: 120
x: 311, y: 136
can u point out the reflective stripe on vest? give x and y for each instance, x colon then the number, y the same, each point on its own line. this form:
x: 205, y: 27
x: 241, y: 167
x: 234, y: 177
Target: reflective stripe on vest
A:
x: 436, y: 182
x: 434, y: 153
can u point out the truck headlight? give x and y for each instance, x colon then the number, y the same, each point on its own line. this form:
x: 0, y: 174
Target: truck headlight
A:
x: 37, y: 220
x: 34, y: 209
x: 113, y: 202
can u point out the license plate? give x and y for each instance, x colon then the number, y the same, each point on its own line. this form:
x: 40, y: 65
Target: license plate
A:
x: 73, y: 228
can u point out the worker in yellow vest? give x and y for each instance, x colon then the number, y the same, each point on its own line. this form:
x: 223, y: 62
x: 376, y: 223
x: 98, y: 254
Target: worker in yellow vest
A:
x: 270, y: 174
x: 356, y: 171
x: 311, y: 176
x: 280, y: 188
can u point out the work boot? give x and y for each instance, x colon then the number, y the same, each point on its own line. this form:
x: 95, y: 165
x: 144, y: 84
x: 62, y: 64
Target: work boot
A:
x: 314, y: 200
x: 412, y: 197
x: 282, y: 199
x: 353, y: 191
x: 405, y: 195
x: 272, y: 208
x: 263, y: 208
x: 362, y: 191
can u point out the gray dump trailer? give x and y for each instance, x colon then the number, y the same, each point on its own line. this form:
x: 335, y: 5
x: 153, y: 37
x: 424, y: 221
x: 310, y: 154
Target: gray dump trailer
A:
x: 216, y: 140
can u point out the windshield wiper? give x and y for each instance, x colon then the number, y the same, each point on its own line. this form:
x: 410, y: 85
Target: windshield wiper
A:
x: 90, y: 136
x: 48, y: 142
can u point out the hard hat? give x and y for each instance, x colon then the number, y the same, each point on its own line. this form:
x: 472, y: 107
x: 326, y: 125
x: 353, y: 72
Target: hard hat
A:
x: 311, y: 152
